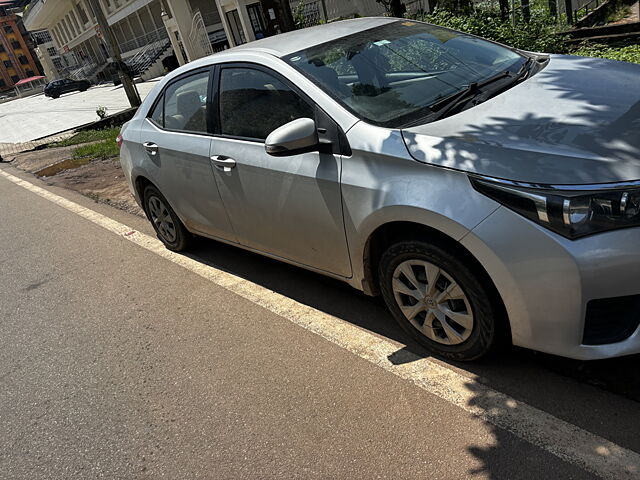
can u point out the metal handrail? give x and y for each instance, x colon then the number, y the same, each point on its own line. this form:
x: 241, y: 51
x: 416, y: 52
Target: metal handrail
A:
x: 144, y: 40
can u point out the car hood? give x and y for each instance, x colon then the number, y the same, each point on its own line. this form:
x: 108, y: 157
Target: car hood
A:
x: 575, y: 122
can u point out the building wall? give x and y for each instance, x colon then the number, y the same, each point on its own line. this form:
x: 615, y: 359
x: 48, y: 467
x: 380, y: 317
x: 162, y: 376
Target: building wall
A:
x: 48, y: 55
x: 17, y: 61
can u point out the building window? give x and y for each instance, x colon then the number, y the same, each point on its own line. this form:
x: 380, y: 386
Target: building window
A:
x: 257, y: 20
x: 82, y: 14
x: 3, y: 84
x: 23, y: 60
x: 30, y: 73
x: 51, y: 51
x: 15, y: 79
x: 15, y: 44
x: 2, y: 48
x: 42, y: 36
x: 8, y: 29
x: 7, y: 63
x: 236, y: 27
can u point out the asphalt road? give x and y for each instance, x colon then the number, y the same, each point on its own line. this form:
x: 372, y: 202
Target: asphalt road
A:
x: 118, y: 363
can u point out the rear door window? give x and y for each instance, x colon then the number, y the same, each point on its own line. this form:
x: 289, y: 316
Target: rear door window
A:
x: 183, y: 105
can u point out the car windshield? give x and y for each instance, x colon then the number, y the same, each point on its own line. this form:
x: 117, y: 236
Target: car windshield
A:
x: 390, y: 75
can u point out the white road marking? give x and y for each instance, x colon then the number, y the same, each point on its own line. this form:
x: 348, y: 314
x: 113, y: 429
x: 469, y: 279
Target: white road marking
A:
x: 565, y: 440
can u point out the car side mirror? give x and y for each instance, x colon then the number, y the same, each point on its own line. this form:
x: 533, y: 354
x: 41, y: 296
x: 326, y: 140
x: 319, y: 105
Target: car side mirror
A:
x: 295, y: 137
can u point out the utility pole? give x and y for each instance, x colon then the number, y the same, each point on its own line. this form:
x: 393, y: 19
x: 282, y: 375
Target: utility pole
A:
x: 114, y: 52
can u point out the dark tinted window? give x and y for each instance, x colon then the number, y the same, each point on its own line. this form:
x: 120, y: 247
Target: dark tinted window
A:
x: 185, y: 105
x: 254, y: 103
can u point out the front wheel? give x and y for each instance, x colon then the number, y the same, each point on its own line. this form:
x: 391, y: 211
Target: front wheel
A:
x: 439, y: 301
x: 166, y: 223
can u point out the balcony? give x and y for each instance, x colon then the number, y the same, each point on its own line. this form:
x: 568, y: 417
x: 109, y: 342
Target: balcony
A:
x: 144, y: 40
x: 41, y: 12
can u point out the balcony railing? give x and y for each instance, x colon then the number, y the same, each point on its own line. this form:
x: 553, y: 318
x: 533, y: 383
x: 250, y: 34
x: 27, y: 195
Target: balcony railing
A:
x: 144, y: 40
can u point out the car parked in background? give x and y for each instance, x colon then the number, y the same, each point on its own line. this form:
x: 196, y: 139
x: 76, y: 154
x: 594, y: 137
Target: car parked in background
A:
x: 489, y: 194
x: 58, y: 87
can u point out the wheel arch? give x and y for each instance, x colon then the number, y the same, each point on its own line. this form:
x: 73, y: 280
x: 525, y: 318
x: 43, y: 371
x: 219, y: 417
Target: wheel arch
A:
x: 393, y: 232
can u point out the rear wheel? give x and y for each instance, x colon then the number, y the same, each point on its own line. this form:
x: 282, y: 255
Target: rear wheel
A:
x: 166, y: 223
x: 438, y: 300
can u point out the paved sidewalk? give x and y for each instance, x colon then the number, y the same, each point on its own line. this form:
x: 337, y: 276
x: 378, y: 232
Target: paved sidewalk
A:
x: 27, y: 119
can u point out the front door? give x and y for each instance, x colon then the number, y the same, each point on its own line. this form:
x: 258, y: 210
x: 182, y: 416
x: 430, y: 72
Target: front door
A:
x: 290, y: 207
x: 176, y: 139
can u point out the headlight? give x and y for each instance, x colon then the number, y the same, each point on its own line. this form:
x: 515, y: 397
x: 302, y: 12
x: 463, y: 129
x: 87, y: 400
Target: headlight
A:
x: 571, y: 211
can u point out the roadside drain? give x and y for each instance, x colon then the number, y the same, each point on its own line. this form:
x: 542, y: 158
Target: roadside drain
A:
x: 67, y: 164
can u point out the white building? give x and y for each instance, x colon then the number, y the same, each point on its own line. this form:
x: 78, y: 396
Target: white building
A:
x: 47, y: 54
x: 153, y: 35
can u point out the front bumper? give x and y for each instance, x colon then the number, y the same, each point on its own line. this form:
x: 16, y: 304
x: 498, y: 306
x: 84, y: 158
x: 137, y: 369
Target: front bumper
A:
x: 547, y: 281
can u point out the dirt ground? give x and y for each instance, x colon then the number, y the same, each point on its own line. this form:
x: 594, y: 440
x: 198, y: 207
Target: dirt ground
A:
x: 101, y: 180
x: 633, y: 17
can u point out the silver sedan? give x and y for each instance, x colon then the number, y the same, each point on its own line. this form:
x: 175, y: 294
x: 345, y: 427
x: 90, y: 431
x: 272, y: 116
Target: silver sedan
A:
x: 490, y: 195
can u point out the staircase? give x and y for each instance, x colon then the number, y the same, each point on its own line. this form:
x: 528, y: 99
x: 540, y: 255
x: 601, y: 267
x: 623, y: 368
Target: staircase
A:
x: 88, y: 71
x: 142, y: 62
x: 609, y: 34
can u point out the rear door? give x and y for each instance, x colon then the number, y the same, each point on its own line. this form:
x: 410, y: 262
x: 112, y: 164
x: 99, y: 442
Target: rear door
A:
x: 176, y: 139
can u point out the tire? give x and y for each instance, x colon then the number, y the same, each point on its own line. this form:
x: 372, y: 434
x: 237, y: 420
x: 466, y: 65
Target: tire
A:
x: 431, y: 317
x: 169, y: 229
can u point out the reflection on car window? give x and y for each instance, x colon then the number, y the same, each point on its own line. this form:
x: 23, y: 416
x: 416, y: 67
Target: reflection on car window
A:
x: 158, y: 113
x: 392, y: 74
x: 254, y: 103
x: 185, y: 106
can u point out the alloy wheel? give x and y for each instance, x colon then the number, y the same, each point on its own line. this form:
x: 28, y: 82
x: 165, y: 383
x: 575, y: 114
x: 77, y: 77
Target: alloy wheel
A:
x: 433, y: 302
x: 162, y: 220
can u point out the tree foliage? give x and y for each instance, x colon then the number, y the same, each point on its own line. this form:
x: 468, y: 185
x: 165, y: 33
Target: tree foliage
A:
x: 395, y: 8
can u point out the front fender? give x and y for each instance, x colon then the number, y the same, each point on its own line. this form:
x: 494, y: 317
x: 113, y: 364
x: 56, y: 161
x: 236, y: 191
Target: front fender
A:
x: 382, y: 183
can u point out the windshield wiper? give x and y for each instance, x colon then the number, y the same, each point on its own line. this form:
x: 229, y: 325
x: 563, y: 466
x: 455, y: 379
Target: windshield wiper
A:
x: 472, y: 91
x: 444, y: 106
x: 525, y: 68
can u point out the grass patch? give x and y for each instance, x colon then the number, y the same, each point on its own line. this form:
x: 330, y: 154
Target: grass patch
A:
x: 630, y: 53
x: 98, y: 151
x: 88, y: 136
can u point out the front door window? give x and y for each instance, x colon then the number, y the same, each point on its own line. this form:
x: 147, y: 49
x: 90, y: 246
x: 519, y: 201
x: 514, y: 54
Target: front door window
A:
x: 254, y: 103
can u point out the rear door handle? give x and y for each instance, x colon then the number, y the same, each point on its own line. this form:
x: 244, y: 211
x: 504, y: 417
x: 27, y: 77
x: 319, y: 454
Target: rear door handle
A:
x: 151, y: 148
x: 223, y: 163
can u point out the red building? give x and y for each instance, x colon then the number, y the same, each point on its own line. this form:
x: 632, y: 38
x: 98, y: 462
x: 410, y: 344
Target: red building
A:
x: 17, y: 60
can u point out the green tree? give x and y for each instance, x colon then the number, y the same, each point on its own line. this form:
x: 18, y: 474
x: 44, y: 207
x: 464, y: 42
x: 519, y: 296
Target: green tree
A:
x: 396, y: 8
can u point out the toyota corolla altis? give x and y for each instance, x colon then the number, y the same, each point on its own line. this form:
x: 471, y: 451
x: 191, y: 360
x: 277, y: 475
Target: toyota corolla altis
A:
x: 489, y: 194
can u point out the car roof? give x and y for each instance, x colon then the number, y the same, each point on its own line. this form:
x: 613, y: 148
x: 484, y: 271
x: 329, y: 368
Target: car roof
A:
x: 291, y: 42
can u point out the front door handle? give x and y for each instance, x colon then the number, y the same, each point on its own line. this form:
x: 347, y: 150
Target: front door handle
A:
x: 151, y: 148
x: 223, y: 163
